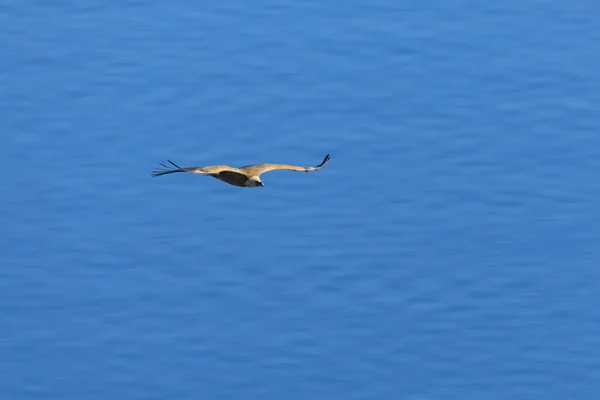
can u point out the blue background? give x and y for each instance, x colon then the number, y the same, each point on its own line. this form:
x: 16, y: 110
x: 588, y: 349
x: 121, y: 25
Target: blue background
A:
x: 450, y: 249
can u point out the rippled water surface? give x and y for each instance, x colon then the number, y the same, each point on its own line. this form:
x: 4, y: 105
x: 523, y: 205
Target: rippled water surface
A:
x: 450, y: 249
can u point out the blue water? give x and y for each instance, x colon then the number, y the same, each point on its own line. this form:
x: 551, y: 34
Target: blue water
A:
x: 450, y: 249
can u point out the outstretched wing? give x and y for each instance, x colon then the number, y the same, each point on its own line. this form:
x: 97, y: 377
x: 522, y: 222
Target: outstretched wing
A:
x: 262, y: 168
x: 209, y: 170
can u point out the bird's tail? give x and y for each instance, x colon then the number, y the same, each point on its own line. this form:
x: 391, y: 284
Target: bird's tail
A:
x: 168, y: 169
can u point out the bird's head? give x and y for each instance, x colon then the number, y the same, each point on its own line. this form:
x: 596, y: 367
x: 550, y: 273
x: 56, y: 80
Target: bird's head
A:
x: 256, y: 183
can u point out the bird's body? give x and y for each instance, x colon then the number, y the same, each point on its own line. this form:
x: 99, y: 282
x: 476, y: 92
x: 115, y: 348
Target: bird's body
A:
x: 247, y: 176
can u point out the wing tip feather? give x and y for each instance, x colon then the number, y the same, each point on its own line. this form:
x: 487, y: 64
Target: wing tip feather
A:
x: 167, y: 170
x: 325, y: 161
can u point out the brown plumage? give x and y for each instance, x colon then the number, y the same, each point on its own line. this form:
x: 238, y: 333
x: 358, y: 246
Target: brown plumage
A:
x: 247, y: 176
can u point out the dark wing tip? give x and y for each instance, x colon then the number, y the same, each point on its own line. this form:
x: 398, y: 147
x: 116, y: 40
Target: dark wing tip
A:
x: 325, y: 161
x: 167, y: 169
x: 175, y: 165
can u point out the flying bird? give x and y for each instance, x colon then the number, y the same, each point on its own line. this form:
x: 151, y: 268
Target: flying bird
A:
x: 247, y: 176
